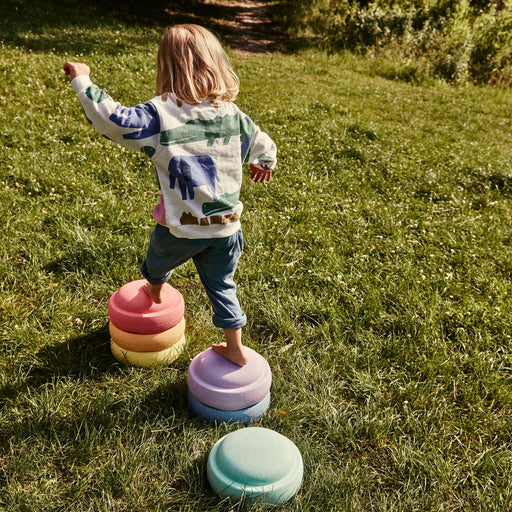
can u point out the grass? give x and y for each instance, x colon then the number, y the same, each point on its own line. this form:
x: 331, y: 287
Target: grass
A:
x: 376, y: 279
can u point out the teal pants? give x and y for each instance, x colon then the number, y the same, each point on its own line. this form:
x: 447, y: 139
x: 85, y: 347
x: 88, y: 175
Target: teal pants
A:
x: 215, y: 259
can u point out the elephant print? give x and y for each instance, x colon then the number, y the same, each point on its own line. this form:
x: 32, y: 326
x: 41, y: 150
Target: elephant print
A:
x: 191, y: 172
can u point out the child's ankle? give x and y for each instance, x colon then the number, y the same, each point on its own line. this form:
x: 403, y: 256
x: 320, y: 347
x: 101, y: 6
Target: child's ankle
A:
x: 234, y: 354
x: 154, y: 291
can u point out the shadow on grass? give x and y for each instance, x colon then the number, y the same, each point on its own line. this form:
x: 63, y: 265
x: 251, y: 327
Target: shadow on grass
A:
x: 83, y: 357
x: 66, y: 26
x: 501, y: 183
x: 87, y: 359
x: 96, y: 25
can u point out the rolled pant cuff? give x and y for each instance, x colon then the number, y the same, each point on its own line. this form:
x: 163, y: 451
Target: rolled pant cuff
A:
x: 151, y: 280
x: 229, y: 323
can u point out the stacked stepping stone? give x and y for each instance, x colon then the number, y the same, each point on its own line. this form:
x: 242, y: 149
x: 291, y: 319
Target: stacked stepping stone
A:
x: 219, y: 390
x: 255, y: 464
x: 142, y: 332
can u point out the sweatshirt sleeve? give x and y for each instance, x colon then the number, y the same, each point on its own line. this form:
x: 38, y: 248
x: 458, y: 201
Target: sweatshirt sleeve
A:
x: 257, y: 147
x: 136, y: 127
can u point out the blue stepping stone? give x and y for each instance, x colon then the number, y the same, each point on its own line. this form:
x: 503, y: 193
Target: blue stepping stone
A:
x: 244, y: 416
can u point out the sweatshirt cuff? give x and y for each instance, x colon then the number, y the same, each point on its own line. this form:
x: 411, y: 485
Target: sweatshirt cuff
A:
x: 80, y: 83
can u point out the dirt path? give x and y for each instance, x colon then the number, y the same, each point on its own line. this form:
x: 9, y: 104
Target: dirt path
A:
x: 252, y: 26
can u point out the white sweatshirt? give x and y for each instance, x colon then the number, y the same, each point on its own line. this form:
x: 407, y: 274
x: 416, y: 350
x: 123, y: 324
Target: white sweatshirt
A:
x: 197, y: 150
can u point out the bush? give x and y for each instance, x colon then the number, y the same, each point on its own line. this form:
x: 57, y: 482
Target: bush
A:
x: 371, y: 27
x: 491, y: 55
x: 457, y: 40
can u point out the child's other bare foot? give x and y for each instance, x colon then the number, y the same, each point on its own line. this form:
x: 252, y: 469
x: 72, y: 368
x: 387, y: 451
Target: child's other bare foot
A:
x: 234, y: 354
x: 154, y: 291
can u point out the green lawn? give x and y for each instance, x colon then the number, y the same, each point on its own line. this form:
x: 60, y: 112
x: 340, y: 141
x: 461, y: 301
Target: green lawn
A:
x: 376, y: 279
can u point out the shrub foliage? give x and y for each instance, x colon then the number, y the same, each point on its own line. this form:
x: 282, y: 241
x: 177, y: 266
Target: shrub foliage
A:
x: 457, y: 40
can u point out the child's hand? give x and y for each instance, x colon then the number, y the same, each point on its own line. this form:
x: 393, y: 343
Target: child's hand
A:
x: 74, y: 69
x: 260, y: 175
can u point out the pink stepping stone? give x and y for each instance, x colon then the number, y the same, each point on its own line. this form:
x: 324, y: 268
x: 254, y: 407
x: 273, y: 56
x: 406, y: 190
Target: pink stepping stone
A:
x: 132, y: 310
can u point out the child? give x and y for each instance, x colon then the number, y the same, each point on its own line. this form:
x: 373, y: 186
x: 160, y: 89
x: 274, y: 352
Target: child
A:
x: 198, y: 140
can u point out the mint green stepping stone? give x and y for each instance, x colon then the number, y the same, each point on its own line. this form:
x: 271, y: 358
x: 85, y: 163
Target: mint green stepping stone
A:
x: 256, y: 464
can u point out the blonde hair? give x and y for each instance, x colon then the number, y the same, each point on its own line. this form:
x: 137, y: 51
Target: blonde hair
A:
x: 192, y: 64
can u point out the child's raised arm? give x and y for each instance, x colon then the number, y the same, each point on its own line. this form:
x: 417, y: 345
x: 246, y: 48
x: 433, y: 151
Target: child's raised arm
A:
x: 74, y: 69
x: 135, y: 128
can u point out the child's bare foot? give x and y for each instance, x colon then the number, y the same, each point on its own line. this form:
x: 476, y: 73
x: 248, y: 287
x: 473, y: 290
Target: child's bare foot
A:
x: 234, y: 354
x: 154, y: 291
